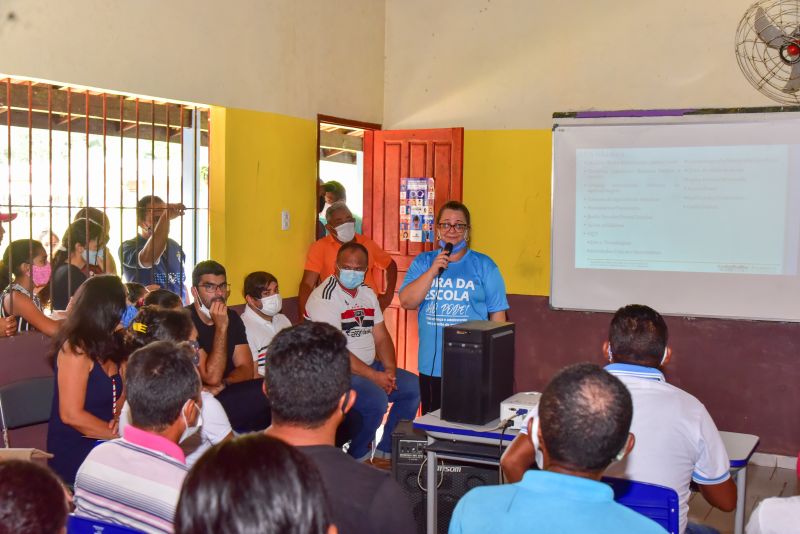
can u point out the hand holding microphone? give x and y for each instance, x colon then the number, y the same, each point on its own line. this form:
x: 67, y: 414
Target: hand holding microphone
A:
x: 443, y: 259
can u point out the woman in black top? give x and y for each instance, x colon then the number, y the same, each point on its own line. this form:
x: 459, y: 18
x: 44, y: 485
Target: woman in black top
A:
x: 103, y: 261
x: 78, y: 249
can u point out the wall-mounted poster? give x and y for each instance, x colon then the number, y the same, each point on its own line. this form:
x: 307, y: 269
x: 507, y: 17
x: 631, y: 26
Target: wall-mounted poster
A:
x: 417, y: 197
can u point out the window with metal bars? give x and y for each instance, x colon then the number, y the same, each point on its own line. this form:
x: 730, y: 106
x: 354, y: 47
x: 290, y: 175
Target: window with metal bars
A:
x: 63, y: 149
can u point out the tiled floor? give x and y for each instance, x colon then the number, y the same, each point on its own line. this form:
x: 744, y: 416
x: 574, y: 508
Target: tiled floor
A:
x: 762, y: 482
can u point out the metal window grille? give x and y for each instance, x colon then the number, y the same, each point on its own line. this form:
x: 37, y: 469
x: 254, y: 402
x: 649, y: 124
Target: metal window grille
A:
x: 67, y: 148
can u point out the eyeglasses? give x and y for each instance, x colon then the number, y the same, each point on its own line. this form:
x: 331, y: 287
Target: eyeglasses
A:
x: 213, y: 288
x: 458, y: 227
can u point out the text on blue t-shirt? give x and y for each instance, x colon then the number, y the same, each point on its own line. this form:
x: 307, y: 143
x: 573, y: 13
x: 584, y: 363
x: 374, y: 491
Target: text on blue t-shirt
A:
x: 468, y: 290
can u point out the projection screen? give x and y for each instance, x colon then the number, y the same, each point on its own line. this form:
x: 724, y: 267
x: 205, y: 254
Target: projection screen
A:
x: 693, y: 214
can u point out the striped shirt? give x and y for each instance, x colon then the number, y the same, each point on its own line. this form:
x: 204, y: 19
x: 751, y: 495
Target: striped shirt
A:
x: 22, y: 324
x: 355, y: 316
x: 133, y: 481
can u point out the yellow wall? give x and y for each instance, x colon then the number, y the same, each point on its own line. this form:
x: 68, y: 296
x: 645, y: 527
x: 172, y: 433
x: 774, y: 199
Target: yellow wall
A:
x: 507, y: 189
x: 261, y: 163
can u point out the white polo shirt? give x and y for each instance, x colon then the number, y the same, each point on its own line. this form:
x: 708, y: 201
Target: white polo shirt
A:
x: 776, y: 515
x: 260, y: 333
x: 355, y: 315
x: 676, y: 439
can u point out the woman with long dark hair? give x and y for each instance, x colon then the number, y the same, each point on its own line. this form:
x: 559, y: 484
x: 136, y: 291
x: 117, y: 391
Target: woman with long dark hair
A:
x: 24, y: 270
x: 88, y: 364
x: 254, y: 483
x: 78, y: 250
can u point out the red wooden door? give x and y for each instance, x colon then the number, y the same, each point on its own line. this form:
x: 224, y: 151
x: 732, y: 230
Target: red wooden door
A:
x: 390, y: 155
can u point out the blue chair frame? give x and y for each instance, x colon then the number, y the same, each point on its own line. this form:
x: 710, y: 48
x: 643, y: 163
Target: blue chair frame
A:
x: 85, y: 525
x: 658, y: 503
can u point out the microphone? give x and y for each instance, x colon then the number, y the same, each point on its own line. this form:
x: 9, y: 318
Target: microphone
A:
x: 448, y: 247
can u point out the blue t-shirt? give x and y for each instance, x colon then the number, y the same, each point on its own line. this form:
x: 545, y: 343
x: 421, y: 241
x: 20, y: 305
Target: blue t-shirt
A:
x: 167, y: 271
x: 546, y: 502
x: 468, y: 290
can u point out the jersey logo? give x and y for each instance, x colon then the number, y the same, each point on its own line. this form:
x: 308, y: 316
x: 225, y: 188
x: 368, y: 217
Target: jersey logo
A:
x: 358, y: 321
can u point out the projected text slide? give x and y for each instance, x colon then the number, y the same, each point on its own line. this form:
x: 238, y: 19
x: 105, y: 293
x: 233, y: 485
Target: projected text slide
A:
x: 719, y: 209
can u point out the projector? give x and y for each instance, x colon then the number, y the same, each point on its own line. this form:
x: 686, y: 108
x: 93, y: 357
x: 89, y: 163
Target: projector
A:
x: 519, y: 405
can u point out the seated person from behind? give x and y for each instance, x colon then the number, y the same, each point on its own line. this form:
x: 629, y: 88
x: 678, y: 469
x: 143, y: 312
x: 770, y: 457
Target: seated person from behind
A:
x: 345, y: 302
x: 676, y: 439
x: 253, y: 484
x: 160, y: 324
x: 32, y: 499
x: 226, y: 365
x: 308, y: 382
x: 136, y: 480
x: 321, y: 258
x: 262, y: 318
x: 584, y: 417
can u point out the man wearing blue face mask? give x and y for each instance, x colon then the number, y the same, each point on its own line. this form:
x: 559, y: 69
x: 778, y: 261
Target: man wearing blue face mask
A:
x: 344, y: 301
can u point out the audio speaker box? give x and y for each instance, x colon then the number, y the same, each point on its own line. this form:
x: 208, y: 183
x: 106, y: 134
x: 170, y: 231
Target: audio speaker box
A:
x: 477, y: 371
x: 409, y: 468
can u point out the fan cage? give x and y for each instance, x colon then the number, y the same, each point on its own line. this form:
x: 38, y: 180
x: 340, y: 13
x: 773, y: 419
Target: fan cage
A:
x: 763, y: 66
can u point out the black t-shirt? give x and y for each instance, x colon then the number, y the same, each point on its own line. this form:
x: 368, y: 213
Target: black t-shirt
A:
x: 205, y: 335
x: 64, y: 283
x: 363, y: 499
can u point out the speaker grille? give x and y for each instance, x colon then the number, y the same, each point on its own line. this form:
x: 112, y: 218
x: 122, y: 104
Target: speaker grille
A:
x: 456, y: 479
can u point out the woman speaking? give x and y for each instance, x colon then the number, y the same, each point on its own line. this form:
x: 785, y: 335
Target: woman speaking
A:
x: 449, y: 287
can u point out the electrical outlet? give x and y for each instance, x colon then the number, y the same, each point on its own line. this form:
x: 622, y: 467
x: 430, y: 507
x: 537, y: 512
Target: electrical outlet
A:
x: 285, y: 220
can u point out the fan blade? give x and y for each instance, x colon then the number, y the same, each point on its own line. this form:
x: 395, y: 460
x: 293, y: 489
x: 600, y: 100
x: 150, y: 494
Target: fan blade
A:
x: 793, y: 85
x: 768, y: 32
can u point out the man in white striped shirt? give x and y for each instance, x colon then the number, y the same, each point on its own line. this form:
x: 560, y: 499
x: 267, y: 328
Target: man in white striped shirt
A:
x: 135, y: 481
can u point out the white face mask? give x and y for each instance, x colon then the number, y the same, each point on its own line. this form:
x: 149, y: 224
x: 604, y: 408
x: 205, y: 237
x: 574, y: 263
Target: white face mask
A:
x: 205, y: 311
x: 535, y: 439
x: 271, y: 305
x: 346, y: 232
x: 191, y: 430
x: 324, y: 210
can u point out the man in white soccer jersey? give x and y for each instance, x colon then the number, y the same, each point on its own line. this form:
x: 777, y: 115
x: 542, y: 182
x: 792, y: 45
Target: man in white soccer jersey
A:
x: 344, y: 301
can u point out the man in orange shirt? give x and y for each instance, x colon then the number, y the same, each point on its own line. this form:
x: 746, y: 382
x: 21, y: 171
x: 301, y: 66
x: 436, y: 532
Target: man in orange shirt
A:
x: 321, y: 258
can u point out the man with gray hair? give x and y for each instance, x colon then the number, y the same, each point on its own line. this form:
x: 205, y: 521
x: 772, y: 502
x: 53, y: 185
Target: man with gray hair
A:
x: 321, y: 258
